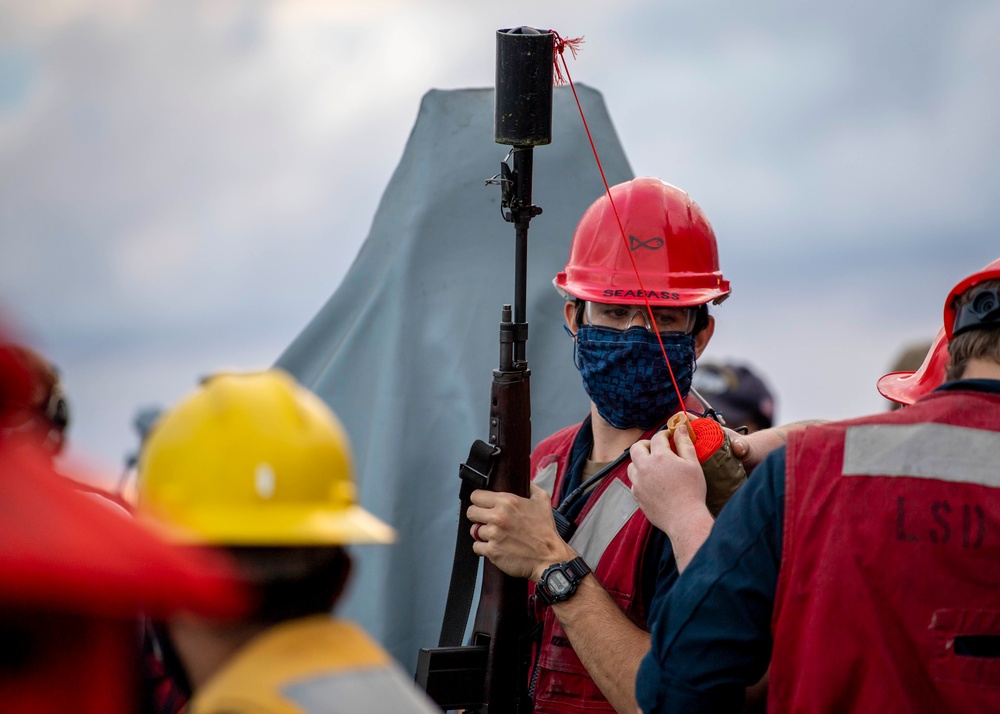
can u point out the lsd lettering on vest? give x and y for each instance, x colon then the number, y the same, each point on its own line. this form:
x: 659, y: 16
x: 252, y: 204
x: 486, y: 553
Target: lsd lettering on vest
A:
x: 934, y: 451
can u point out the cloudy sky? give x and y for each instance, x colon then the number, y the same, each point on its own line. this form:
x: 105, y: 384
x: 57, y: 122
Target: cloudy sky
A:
x: 183, y: 184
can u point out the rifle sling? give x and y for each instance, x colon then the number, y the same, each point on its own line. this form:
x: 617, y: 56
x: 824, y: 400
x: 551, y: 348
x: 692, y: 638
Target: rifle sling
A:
x: 474, y: 473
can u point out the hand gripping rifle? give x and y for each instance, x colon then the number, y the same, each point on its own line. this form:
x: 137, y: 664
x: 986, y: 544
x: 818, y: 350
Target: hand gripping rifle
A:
x: 490, y: 675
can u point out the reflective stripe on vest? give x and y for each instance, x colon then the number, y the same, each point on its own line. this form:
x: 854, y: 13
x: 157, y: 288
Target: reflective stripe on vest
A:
x: 605, y: 519
x: 358, y: 690
x: 546, y: 478
x: 930, y: 450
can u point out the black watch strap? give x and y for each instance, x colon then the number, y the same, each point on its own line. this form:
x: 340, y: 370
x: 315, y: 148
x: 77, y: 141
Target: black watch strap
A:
x: 577, y: 568
x: 573, y: 571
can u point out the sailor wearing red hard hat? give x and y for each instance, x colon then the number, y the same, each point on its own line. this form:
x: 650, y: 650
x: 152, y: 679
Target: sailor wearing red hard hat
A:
x: 873, y: 548
x: 78, y: 575
x: 906, y: 387
x: 595, y: 589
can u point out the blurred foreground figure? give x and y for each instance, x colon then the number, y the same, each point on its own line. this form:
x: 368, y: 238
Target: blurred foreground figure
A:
x: 737, y: 393
x: 74, y: 576
x: 259, y: 466
x: 38, y: 413
x: 865, y: 553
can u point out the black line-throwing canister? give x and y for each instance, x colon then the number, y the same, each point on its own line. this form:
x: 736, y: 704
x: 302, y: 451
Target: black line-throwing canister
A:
x: 523, y: 98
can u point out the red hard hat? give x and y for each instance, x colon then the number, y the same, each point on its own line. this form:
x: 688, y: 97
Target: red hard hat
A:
x: 907, y: 387
x: 990, y: 272
x: 666, y: 234
x: 67, y: 551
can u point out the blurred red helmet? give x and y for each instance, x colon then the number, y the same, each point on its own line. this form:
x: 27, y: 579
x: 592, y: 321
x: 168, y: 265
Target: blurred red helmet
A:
x: 907, y: 387
x: 990, y: 272
x: 666, y: 234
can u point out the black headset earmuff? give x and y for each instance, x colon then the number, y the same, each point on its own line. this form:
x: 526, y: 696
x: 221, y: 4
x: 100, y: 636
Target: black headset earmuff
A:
x: 57, y: 414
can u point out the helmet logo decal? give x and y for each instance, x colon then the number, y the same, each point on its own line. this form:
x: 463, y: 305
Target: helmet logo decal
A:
x: 640, y: 294
x: 263, y: 480
x: 635, y: 243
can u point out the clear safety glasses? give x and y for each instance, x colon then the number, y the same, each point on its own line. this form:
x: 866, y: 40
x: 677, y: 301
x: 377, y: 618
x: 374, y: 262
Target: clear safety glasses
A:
x: 622, y: 317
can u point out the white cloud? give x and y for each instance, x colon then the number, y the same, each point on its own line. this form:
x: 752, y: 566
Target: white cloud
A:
x: 149, y: 262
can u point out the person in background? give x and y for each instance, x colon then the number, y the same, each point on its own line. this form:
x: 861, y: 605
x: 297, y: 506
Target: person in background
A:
x: 257, y: 466
x: 860, y: 561
x: 737, y: 393
x: 142, y: 424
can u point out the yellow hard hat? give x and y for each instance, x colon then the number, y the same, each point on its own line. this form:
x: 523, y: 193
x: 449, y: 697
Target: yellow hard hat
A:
x: 253, y: 459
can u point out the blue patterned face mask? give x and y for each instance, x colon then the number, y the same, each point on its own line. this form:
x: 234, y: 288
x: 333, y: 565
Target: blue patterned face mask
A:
x: 625, y: 376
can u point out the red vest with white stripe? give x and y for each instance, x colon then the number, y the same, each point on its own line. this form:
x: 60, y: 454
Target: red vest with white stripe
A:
x: 611, y: 536
x: 889, y: 591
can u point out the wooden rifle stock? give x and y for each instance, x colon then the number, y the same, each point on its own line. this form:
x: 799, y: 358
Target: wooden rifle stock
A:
x: 502, y: 620
x: 491, y: 674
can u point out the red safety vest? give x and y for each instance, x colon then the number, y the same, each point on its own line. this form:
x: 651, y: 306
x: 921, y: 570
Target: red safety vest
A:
x: 612, y: 538
x: 889, y: 588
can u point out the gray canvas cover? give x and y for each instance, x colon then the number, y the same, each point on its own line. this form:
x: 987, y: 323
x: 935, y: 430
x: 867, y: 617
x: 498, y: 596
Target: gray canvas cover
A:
x: 404, y: 349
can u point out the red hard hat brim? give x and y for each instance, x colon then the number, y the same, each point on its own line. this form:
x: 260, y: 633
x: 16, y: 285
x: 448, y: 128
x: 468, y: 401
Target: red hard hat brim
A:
x: 582, y: 288
x: 907, y: 387
x: 69, y: 551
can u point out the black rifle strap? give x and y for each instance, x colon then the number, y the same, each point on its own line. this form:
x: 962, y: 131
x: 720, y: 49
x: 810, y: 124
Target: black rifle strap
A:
x: 475, y: 473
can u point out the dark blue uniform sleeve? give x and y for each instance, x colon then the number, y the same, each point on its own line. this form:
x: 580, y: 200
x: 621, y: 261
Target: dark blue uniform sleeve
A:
x: 711, y: 632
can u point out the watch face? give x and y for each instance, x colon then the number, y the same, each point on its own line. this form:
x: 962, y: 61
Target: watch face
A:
x: 557, y: 583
